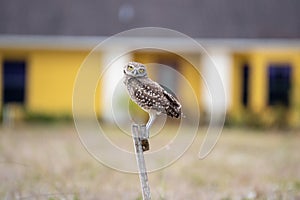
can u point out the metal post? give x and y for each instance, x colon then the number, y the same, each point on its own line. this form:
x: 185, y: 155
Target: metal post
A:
x: 141, y: 144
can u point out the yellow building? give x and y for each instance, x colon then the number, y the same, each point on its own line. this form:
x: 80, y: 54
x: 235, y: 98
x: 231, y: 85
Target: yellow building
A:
x: 39, y: 77
x: 266, y: 82
x: 39, y: 81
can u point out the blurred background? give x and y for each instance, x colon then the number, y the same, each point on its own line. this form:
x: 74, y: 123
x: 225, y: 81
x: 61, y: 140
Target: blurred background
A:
x: 255, y: 47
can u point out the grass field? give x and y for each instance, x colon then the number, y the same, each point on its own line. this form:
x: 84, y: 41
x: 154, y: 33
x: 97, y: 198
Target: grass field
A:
x: 49, y: 162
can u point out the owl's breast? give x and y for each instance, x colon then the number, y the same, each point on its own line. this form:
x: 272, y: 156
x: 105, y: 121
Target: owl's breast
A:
x: 145, y: 93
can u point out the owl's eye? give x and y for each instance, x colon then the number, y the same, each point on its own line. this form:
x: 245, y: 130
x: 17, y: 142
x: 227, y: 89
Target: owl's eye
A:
x: 141, y: 70
x: 130, y: 68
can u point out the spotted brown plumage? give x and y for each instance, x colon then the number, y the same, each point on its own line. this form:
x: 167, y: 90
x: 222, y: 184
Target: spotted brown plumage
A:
x: 151, y: 96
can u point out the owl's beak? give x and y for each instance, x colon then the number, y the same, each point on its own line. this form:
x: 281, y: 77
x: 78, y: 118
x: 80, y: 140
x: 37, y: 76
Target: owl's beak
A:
x: 135, y: 72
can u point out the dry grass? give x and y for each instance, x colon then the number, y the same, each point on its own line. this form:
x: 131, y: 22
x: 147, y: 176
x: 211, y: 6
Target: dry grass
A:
x: 49, y: 162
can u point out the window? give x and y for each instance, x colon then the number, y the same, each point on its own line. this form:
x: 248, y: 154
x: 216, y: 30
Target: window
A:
x: 279, y: 84
x: 14, y: 74
x: 245, y: 84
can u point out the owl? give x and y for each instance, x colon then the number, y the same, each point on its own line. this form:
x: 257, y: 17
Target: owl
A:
x: 149, y: 95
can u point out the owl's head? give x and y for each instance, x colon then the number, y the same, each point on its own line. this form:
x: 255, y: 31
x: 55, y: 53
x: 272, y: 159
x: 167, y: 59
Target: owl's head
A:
x: 135, y: 69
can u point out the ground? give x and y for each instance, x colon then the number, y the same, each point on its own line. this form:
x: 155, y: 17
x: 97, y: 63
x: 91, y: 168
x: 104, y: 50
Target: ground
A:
x: 50, y: 162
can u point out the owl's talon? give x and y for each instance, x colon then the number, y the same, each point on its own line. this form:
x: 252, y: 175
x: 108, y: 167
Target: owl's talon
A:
x: 145, y: 144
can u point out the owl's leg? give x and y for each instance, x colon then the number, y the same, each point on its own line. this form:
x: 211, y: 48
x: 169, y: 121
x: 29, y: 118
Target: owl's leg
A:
x: 152, y: 117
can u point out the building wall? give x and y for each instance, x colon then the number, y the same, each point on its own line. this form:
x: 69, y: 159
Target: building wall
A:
x: 259, y: 61
x: 1, y: 78
x: 236, y: 83
x: 50, y: 79
x: 216, y: 71
x: 281, y: 56
x: 192, y: 72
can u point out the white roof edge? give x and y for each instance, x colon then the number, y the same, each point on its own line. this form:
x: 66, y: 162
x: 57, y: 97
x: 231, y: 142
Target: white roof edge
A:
x: 90, y: 42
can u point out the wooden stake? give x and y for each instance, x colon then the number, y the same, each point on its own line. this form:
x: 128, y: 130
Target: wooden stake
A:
x: 140, y: 144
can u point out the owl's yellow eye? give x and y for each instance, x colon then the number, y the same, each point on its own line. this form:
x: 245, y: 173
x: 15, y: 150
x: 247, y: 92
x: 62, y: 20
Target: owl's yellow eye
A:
x: 141, y: 70
x: 130, y: 68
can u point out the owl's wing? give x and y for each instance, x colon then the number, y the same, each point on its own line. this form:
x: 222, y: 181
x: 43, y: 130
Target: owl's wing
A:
x: 174, y: 108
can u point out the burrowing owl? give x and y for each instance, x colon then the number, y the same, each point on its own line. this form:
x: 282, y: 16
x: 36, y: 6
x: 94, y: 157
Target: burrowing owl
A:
x: 149, y: 95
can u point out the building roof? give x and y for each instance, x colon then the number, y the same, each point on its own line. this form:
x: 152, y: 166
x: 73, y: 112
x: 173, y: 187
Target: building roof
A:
x: 196, y: 18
